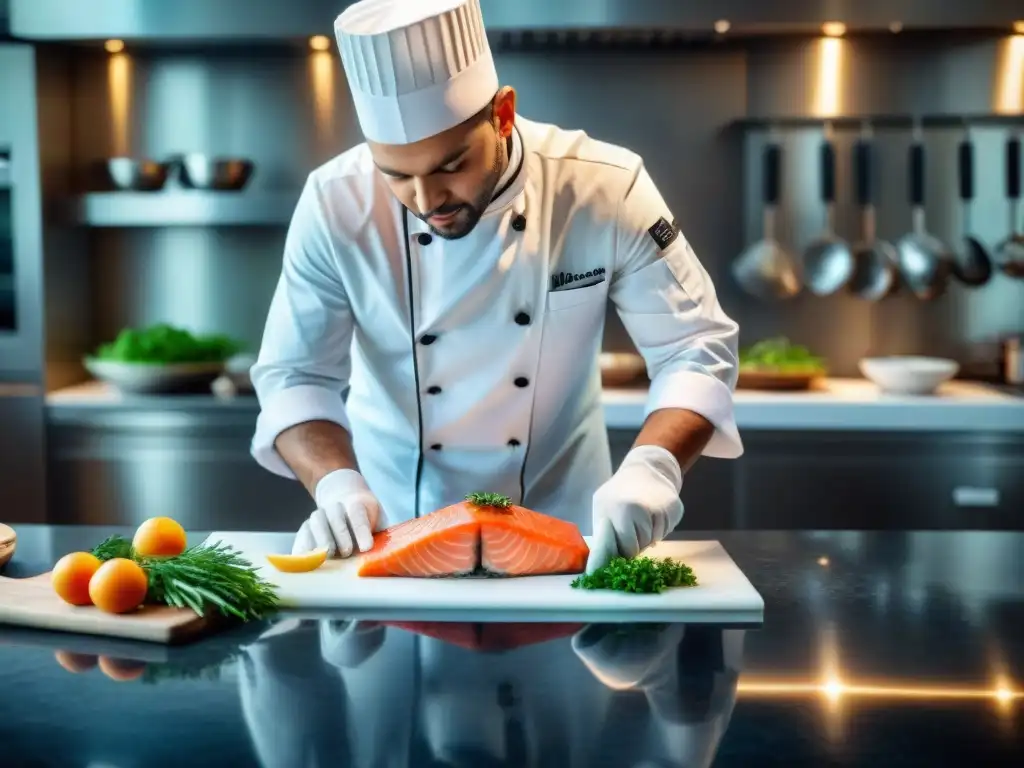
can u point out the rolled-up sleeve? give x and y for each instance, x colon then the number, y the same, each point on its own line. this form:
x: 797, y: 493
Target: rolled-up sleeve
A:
x: 304, y: 362
x: 670, y: 309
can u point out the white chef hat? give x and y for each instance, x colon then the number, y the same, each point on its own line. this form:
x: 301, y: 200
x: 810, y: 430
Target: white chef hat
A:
x: 415, y: 67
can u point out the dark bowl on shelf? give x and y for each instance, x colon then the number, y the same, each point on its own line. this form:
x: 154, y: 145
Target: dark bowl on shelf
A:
x: 205, y: 172
x: 131, y: 173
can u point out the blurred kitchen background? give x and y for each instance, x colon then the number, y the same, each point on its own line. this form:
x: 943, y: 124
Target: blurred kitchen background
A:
x: 698, y: 88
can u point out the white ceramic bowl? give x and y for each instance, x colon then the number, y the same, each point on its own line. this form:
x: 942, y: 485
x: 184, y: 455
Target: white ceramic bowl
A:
x: 237, y: 369
x: 143, y: 378
x: 908, y: 375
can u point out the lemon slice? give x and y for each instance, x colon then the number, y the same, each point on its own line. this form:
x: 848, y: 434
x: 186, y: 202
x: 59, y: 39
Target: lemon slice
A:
x: 309, y: 561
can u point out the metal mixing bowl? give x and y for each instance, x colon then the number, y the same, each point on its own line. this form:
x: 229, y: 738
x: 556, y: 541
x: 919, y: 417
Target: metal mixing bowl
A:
x: 130, y: 173
x: 204, y: 172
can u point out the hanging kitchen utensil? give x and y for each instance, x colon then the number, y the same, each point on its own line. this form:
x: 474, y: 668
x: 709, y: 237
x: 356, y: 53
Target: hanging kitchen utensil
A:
x: 1011, y: 250
x: 924, y: 262
x: 874, y: 272
x: 765, y: 269
x: 972, y: 265
x: 828, y: 261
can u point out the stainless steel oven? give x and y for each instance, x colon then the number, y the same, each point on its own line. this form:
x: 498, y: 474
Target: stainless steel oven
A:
x: 22, y: 425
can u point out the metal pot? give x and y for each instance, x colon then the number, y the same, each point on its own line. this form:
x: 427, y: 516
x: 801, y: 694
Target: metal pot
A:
x: 973, y: 264
x: 136, y: 174
x: 1011, y: 250
x: 925, y: 262
x: 765, y: 269
x: 197, y: 171
x: 828, y: 261
x: 874, y: 261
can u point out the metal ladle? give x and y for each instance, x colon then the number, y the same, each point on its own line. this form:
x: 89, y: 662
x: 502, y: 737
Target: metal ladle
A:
x: 1011, y: 250
x: 828, y: 261
x: 924, y: 261
x: 874, y: 273
x: 765, y: 269
x: 972, y: 265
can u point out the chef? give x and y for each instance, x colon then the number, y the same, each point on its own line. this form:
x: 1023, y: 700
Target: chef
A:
x: 350, y: 693
x: 437, y: 322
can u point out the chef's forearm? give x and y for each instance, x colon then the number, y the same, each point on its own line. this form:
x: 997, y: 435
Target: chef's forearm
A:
x: 314, y: 448
x: 682, y: 433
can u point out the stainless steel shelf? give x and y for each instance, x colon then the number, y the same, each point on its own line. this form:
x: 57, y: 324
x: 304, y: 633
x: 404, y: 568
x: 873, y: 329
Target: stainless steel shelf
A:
x: 880, y: 120
x: 183, y: 208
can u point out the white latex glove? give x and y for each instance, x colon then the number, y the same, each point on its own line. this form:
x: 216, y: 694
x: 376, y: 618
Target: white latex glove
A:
x: 347, y: 513
x: 347, y: 644
x: 627, y: 657
x: 637, y: 506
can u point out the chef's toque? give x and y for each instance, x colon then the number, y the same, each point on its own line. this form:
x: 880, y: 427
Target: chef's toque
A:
x: 415, y: 67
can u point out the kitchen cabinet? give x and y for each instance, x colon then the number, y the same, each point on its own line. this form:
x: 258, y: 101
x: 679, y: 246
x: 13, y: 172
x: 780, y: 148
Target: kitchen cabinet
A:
x: 857, y: 480
x: 120, y: 467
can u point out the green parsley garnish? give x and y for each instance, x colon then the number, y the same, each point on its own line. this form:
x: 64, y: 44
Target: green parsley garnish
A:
x: 489, y: 500
x: 638, y: 574
x: 201, y: 576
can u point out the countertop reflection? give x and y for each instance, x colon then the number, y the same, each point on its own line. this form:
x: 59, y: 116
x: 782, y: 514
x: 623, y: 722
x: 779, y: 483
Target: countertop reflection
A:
x: 877, y: 648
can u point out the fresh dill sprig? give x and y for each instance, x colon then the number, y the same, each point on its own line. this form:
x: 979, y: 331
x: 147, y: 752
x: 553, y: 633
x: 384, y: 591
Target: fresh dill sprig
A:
x: 200, y: 577
x: 482, y: 499
x: 638, y: 574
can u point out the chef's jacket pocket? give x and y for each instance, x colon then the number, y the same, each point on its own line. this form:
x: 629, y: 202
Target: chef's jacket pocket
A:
x: 575, y: 296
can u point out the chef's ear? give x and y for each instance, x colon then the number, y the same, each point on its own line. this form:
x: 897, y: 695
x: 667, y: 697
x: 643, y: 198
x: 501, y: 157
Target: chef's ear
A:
x: 505, y: 110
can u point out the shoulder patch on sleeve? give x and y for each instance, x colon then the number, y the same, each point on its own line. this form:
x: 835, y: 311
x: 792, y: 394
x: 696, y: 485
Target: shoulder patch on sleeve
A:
x: 663, y: 233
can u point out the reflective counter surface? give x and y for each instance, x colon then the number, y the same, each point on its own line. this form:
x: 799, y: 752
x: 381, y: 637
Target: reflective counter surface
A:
x: 880, y: 649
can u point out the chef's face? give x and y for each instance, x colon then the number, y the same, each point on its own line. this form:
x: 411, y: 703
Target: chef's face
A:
x: 447, y: 180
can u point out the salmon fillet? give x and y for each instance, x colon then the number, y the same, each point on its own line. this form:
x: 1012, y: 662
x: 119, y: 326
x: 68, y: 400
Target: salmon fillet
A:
x: 470, y: 538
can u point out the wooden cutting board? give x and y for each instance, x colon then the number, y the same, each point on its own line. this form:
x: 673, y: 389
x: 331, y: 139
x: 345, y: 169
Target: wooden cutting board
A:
x: 32, y: 602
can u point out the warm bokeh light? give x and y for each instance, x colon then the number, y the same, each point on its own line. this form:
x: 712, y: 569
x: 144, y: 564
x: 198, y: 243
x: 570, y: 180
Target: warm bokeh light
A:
x: 828, y: 86
x: 114, y: 46
x: 1009, y: 93
x: 722, y: 26
x: 319, y: 42
x: 833, y: 689
x: 322, y: 84
x: 119, y: 85
x: 896, y: 27
x: 1018, y: 27
x: 823, y: 561
x: 833, y: 29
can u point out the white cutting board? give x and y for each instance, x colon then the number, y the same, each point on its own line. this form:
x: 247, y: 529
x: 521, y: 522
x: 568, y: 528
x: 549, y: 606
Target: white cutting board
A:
x: 723, y: 595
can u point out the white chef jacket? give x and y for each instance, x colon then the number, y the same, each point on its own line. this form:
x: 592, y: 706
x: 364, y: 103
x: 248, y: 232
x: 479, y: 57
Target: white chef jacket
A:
x: 472, y: 364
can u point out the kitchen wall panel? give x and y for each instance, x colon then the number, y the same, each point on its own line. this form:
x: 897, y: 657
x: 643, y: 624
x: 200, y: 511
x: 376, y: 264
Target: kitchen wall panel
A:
x: 291, y: 112
x: 678, y: 108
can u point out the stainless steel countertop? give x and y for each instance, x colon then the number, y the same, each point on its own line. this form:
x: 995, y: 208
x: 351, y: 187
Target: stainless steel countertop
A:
x: 878, y: 648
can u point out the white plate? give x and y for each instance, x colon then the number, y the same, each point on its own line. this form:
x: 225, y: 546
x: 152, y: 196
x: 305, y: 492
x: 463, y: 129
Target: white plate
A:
x: 908, y: 375
x: 148, y: 378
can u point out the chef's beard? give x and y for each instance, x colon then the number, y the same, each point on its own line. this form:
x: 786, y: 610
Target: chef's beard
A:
x: 469, y: 213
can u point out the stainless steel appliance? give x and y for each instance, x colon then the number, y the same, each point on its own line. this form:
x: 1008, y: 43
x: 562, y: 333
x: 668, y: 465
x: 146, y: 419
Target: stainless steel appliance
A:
x: 22, y: 425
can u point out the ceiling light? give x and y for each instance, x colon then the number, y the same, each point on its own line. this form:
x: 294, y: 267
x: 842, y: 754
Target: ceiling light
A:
x: 833, y: 28
x: 114, y: 46
x: 722, y: 26
x: 319, y: 42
